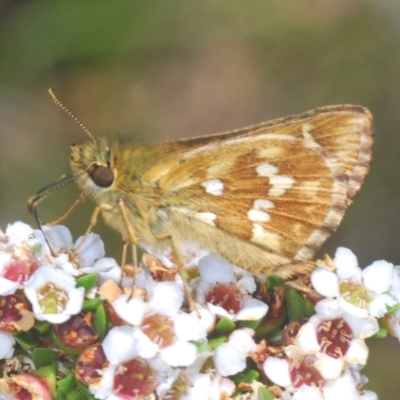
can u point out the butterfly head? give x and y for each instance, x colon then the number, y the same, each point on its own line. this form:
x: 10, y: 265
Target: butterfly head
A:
x: 91, y: 166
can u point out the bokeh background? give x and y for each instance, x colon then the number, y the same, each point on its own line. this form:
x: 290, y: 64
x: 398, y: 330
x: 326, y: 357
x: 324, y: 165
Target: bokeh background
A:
x: 159, y: 70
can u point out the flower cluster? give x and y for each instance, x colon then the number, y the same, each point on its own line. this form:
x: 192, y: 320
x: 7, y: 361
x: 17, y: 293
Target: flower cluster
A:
x: 72, y: 322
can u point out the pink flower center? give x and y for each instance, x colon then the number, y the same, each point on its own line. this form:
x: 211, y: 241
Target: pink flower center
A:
x: 20, y: 393
x: 90, y: 364
x: 134, y: 380
x: 19, y: 270
x: 10, y: 307
x: 306, y: 374
x: 78, y: 331
x: 226, y: 296
x: 334, y: 337
x: 159, y: 329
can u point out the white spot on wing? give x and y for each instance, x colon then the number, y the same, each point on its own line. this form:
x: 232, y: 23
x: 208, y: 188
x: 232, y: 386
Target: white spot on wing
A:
x: 263, y: 204
x: 266, y: 169
x: 266, y: 238
x: 258, y: 215
x: 305, y: 130
x: 206, y: 217
x: 214, y: 186
x: 280, y: 184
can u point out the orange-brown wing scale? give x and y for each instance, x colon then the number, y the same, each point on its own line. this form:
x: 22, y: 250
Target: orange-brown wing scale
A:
x: 283, y: 185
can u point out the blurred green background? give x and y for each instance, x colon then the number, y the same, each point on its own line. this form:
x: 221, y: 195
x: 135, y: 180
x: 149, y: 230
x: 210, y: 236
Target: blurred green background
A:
x: 160, y: 70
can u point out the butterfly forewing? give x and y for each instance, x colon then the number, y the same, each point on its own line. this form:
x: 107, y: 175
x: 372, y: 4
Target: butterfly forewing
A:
x: 283, y: 185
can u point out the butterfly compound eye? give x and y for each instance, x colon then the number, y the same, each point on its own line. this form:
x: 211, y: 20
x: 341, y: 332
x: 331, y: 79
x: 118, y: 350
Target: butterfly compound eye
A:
x: 102, y: 176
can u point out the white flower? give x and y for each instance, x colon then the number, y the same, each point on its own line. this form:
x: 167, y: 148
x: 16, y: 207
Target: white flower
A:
x: 162, y: 329
x: 54, y: 295
x: 230, y: 357
x: 120, y: 344
x: 306, y: 338
x: 306, y: 392
x: 19, y: 250
x: 106, y: 268
x: 343, y: 388
x: 16, y: 235
x: 7, y: 345
x: 213, y: 268
x: 62, y: 246
x: 188, y: 327
x: 199, y: 387
x: 179, y: 354
x: 243, y: 340
x: 215, y: 272
x: 7, y: 286
x: 252, y: 310
x: 190, y: 251
x: 207, y: 386
x: 277, y: 370
x: 330, y: 368
x: 357, y: 292
x: 229, y: 360
x: 165, y: 298
x: 130, y: 309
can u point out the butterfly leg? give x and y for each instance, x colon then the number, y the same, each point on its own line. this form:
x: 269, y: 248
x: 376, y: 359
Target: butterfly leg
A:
x: 132, y: 239
x: 93, y: 221
x: 80, y: 199
x: 181, y: 270
x: 182, y: 273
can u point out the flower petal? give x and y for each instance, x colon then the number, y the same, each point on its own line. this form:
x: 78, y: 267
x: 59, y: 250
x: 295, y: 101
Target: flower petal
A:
x: 346, y: 264
x: 180, y: 354
x: 229, y: 360
x: 277, y: 370
x: 378, y: 276
x: 325, y: 282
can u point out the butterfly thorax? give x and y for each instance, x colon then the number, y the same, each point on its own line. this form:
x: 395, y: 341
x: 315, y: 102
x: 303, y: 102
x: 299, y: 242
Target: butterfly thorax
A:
x: 108, y: 174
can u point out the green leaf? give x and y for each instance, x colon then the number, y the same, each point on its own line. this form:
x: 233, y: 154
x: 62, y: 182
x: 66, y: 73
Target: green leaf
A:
x: 250, y: 324
x: 87, y: 281
x: 265, y: 394
x: 295, y: 305
x: 91, y: 304
x: 26, y: 342
x: 251, y: 376
x: 84, y: 391
x: 100, y: 321
x: 201, y: 347
x: 42, y: 356
x: 42, y: 326
x: 59, y: 395
x: 225, y: 326
x: 273, y: 281
x: 75, y: 395
x: 391, y: 309
x: 71, y: 351
x: 49, y: 374
x: 215, y: 342
x: 381, y: 334
x: 67, y: 384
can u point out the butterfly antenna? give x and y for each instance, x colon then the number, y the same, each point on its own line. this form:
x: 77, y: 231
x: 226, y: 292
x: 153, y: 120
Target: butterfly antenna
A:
x: 66, y: 110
